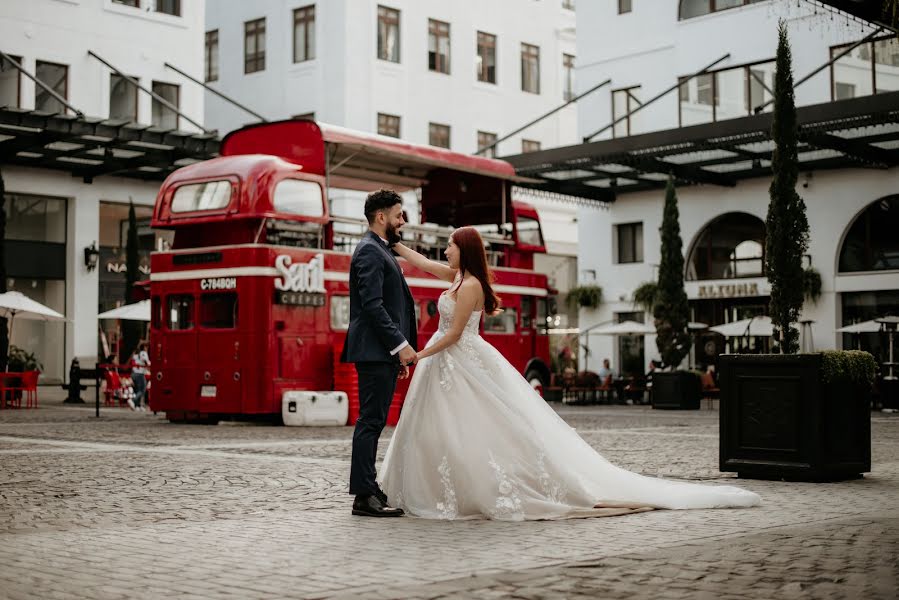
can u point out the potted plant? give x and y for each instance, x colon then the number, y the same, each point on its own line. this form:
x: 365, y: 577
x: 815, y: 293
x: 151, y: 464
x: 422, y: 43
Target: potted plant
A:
x: 802, y: 417
x: 21, y: 361
x: 674, y: 389
x: 788, y: 415
x: 585, y: 296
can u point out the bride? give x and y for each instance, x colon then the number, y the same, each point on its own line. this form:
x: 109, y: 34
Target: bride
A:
x: 476, y: 441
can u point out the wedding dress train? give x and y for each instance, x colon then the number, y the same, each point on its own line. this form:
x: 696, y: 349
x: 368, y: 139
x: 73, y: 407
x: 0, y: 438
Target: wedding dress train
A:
x: 476, y: 441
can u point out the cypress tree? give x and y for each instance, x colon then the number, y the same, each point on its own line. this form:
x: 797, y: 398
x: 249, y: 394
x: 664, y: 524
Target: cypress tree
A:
x: 787, y: 232
x: 671, y: 310
x: 130, y: 329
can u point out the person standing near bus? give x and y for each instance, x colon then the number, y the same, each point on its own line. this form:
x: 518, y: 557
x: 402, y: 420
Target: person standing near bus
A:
x: 381, y: 341
x: 140, y: 363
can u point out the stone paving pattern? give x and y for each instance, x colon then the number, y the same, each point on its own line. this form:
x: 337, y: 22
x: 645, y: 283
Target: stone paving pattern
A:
x: 131, y: 506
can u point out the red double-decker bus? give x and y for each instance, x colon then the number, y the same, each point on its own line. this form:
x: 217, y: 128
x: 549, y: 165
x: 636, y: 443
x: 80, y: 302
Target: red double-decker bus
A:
x: 251, y: 301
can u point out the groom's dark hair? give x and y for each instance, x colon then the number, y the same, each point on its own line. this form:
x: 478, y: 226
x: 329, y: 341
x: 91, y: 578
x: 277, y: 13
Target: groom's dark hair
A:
x: 380, y: 200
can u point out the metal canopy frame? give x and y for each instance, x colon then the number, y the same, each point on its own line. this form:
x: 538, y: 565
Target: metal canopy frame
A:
x: 89, y: 147
x: 858, y: 132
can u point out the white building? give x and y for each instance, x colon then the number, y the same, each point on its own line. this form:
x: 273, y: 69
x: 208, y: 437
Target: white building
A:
x: 457, y: 74
x: 70, y: 194
x: 853, y: 209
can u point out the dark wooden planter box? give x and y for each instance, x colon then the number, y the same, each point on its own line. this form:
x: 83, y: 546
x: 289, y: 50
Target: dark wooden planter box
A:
x: 679, y: 390
x: 780, y: 421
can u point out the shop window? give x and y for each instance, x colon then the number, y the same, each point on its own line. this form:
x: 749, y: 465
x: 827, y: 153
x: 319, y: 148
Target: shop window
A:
x: 872, y: 243
x: 218, y: 311
x: 729, y: 247
x: 180, y: 313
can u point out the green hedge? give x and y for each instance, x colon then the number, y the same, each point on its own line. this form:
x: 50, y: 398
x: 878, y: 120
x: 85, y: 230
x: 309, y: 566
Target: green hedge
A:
x: 856, y: 366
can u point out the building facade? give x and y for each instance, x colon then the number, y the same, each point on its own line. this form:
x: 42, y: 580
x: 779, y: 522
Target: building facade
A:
x: 853, y: 212
x: 53, y: 216
x: 458, y: 74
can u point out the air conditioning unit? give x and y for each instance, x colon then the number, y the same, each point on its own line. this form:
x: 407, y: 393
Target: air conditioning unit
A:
x: 314, y: 409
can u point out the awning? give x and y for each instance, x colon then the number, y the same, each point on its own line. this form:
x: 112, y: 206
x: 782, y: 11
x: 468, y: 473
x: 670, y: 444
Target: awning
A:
x: 90, y: 147
x: 858, y: 132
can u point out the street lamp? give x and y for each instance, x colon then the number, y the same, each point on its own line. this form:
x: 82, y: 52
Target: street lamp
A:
x: 91, y: 256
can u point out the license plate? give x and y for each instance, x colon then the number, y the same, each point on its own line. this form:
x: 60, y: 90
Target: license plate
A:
x: 207, y: 391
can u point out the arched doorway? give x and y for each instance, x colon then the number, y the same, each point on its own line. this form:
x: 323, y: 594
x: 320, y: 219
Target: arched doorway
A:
x: 730, y: 247
x: 871, y: 244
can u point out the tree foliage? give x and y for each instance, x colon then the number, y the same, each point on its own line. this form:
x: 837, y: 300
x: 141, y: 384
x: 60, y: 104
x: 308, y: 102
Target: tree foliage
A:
x: 671, y: 310
x: 787, y: 236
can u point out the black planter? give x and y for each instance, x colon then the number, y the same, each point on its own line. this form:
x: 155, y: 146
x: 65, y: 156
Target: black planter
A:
x: 679, y: 390
x: 780, y: 421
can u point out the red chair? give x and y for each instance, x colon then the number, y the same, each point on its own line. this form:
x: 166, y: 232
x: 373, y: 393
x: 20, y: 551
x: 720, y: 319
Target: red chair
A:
x: 29, y: 388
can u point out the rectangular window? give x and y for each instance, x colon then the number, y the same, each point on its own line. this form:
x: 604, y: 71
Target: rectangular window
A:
x: 309, y: 116
x: 530, y: 146
x: 843, y: 91
x: 630, y: 243
x: 134, y: 3
x: 218, y: 310
x: 725, y: 94
x: 169, y: 7
x: 886, y: 65
x: 504, y: 322
x: 530, y: 68
x: 486, y: 59
x: 569, y: 4
x: 55, y: 77
x: 388, y: 34
x: 528, y: 230
x: 624, y: 6
x: 439, y: 135
x: 212, y: 55
x: 623, y: 103
x: 210, y: 195
x: 254, y: 46
x: 10, y: 83
x: 296, y: 197
x: 704, y: 92
x: 870, y: 68
x: 631, y: 352
x: 567, y: 77
x: 438, y: 46
x: 122, y: 99
x: 304, y: 34
x: 487, y: 139
x: 388, y: 125
x: 180, y: 313
x: 163, y: 116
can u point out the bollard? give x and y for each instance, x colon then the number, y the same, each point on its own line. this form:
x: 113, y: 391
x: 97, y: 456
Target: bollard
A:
x: 74, y: 387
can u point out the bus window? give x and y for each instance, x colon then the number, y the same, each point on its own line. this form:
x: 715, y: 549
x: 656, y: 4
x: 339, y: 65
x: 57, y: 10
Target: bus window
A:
x: 529, y: 231
x: 296, y: 197
x: 156, y: 313
x: 526, y: 320
x: 219, y: 310
x: 209, y: 195
x: 340, y: 313
x: 180, y: 312
x: 504, y: 322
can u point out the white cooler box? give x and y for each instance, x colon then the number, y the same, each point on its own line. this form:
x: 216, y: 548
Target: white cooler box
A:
x: 300, y: 408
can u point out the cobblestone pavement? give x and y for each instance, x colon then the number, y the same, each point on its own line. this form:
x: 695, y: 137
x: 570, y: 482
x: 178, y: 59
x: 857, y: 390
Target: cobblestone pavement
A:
x: 131, y: 506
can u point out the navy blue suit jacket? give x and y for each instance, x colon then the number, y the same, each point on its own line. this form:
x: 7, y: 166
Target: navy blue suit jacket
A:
x: 382, y: 310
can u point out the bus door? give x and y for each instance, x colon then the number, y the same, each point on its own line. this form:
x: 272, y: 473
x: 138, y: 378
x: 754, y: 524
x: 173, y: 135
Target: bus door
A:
x: 528, y: 331
x: 176, y: 351
x: 219, y: 352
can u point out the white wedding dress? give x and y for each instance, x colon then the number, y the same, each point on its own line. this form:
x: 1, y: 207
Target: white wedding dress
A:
x: 476, y: 441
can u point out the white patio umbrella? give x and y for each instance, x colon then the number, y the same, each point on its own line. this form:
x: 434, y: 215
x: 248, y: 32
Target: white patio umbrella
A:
x: 756, y: 326
x: 625, y: 328
x: 863, y: 327
x: 17, y: 304
x: 139, y: 311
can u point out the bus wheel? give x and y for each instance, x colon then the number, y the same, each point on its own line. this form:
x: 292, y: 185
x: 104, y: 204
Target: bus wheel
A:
x: 533, y: 377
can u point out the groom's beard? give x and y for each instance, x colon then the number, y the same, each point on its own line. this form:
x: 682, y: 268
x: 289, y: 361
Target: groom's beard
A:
x: 393, y: 236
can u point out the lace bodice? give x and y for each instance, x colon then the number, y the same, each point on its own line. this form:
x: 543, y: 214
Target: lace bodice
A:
x: 445, y: 306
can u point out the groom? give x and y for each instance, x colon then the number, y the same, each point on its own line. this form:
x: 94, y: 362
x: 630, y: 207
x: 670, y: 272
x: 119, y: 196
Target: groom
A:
x: 381, y: 340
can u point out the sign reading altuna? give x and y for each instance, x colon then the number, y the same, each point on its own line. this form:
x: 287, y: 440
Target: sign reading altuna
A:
x: 300, y: 283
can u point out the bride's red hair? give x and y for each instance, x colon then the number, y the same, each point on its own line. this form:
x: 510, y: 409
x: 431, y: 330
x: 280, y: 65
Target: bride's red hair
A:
x: 473, y: 259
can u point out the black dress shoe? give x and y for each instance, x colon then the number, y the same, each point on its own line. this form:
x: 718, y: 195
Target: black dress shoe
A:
x: 382, y: 496
x: 372, y: 506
